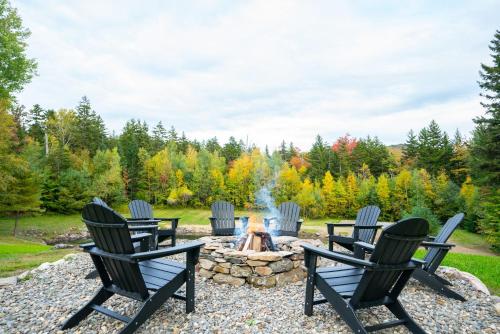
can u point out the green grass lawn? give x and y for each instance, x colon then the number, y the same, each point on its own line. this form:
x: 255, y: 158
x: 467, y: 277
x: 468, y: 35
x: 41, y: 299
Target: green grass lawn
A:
x: 17, y: 255
x: 486, y: 268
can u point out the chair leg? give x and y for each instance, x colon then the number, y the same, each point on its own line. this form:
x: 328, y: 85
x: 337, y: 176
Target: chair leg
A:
x: 308, y: 306
x: 174, y: 239
x: 330, y: 245
x: 99, y: 298
x: 190, y: 286
x: 342, y: 307
x: 398, y: 310
x: 432, y: 282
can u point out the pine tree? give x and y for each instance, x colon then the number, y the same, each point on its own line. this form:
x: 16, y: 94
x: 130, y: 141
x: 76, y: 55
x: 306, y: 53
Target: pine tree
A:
x: 410, y: 150
x: 459, y: 161
x: 89, y: 132
x: 485, y: 148
x: 232, y: 150
x: 320, y: 159
x: 159, y: 137
x: 434, y: 149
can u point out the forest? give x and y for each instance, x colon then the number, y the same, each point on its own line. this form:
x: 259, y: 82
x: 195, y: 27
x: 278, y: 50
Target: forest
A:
x: 57, y: 160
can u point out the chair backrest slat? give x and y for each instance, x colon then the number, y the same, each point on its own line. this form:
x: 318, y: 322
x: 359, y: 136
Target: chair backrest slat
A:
x: 223, y: 212
x: 100, y: 201
x: 444, y: 234
x: 289, y: 215
x: 367, y: 216
x: 396, y: 246
x: 140, y: 209
x: 110, y: 232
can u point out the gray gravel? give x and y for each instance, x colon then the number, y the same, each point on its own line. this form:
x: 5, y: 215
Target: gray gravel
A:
x: 42, y: 303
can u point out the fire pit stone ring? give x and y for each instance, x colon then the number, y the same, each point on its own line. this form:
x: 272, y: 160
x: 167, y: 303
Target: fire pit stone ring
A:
x: 221, y: 261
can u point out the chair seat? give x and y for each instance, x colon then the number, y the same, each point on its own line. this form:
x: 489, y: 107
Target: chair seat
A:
x: 158, y: 272
x: 343, y: 279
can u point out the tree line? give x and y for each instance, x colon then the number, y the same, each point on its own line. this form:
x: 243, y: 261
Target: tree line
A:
x: 56, y: 160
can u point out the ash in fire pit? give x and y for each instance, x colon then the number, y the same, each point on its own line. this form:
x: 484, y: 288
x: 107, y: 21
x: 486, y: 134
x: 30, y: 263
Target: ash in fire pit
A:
x: 256, y: 238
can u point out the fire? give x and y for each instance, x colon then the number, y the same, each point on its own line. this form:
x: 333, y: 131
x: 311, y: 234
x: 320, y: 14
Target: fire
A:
x: 255, y: 225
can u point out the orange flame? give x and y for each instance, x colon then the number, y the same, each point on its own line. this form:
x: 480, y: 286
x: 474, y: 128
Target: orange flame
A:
x: 255, y: 225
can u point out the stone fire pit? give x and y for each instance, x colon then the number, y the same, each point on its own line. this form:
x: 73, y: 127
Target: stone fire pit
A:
x: 221, y: 262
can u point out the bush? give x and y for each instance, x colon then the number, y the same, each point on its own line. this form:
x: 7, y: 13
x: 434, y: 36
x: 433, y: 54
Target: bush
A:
x: 426, y: 213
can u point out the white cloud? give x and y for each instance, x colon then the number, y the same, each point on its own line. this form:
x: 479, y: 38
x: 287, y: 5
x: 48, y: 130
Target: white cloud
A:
x: 271, y: 70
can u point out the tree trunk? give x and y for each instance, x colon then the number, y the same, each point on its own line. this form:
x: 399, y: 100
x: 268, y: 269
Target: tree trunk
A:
x: 46, y: 144
x: 15, y: 223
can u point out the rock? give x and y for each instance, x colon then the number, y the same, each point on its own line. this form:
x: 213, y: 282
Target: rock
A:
x: 241, y: 271
x: 255, y: 263
x: 206, y: 273
x: 220, y: 259
x: 62, y: 246
x: 23, y: 275
x: 262, y: 281
x: 213, y: 246
x: 296, y: 257
x: 497, y: 308
x: 225, y: 265
x: 236, y: 260
x: 236, y: 253
x: 297, y: 264
x: 473, y: 280
x: 69, y: 257
x: 281, y: 266
x: 44, y: 266
x: 8, y: 281
x: 58, y: 262
x: 228, y: 279
x: 285, y: 253
x: 284, y: 239
x: 265, y: 256
x: 206, y: 264
x: 263, y: 271
x: 221, y: 269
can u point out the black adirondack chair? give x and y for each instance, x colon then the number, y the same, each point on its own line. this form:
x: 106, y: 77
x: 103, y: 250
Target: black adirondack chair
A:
x: 437, y: 250
x: 361, y: 283
x: 364, y: 229
x: 289, y: 222
x: 137, y: 225
x: 142, y: 210
x: 223, y: 220
x: 141, y: 276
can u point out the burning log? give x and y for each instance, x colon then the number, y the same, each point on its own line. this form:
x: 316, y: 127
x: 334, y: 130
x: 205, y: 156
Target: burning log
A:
x: 257, y: 241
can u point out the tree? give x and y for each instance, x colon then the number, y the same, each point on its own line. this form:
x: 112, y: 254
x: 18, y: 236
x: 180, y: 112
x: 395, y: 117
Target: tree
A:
x: 410, y: 150
x: 16, y: 69
x: 231, y: 150
x: 470, y: 199
x: 212, y: 145
x: 288, y: 184
x: 434, y: 149
x: 107, y: 181
x: 90, y: 132
x: 374, y: 154
x: 159, y: 137
x: 328, y: 194
x: 343, y: 149
x: 320, y: 159
x: 460, y: 158
x: 383, y: 195
x: 62, y: 125
x: 309, y: 198
x: 38, y: 124
x: 19, y: 190
x: 485, y: 150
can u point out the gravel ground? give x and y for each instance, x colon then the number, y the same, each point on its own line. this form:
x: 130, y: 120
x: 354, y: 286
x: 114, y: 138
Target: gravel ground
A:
x: 42, y: 303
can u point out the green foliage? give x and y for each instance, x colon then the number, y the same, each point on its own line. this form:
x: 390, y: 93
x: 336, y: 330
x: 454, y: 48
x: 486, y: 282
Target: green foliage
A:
x: 107, y: 181
x: 373, y: 153
x: 16, y: 69
x: 426, y: 213
x: 90, y: 132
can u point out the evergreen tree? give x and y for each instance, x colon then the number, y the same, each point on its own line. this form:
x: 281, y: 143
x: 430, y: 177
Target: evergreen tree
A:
x: 460, y: 158
x: 212, y: 145
x: 485, y: 148
x: 374, y: 154
x: 38, y: 123
x: 410, y: 150
x: 159, y: 137
x: 320, y: 159
x: 107, y: 181
x: 434, y: 149
x: 232, y: 150
x: 89, y: 131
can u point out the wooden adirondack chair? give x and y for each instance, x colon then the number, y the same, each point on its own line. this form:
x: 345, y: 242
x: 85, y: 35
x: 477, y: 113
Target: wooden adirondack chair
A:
x: 289, y: 222
x: 437, y: 250
x: 223, y: 219
x: 99, y: 201
x: 141, y: 276
x: 142, y: 210
x: 364, y: 229
x: 367, y: 283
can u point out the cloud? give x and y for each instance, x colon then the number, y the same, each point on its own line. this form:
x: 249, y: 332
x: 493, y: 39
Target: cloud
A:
x: 269, y: 70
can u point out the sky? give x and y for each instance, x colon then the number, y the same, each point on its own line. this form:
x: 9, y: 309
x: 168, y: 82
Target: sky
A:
x: 264, y: 70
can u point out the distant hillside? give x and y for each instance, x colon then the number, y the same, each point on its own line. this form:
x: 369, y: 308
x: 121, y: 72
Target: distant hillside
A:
x: 396, y: 150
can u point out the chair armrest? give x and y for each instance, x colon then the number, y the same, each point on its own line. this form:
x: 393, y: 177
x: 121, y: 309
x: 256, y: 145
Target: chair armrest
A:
x: 142, y: 221
x: 173, y: 221
x: 167, y: 251
x: 143, y: 227
x: 299, y: 224
x: 101, y: 253
x: 437, y: 245
x: 343, y: 224
x: 364, y: 245
x: 419, y: 262
x: 338, y: 257
x: 374, y: 227
x: 242, y: 218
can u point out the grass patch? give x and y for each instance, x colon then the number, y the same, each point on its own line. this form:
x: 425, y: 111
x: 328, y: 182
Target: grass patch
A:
x: 486, y: 268
x: 469, y: 239
x: 17, y: 255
